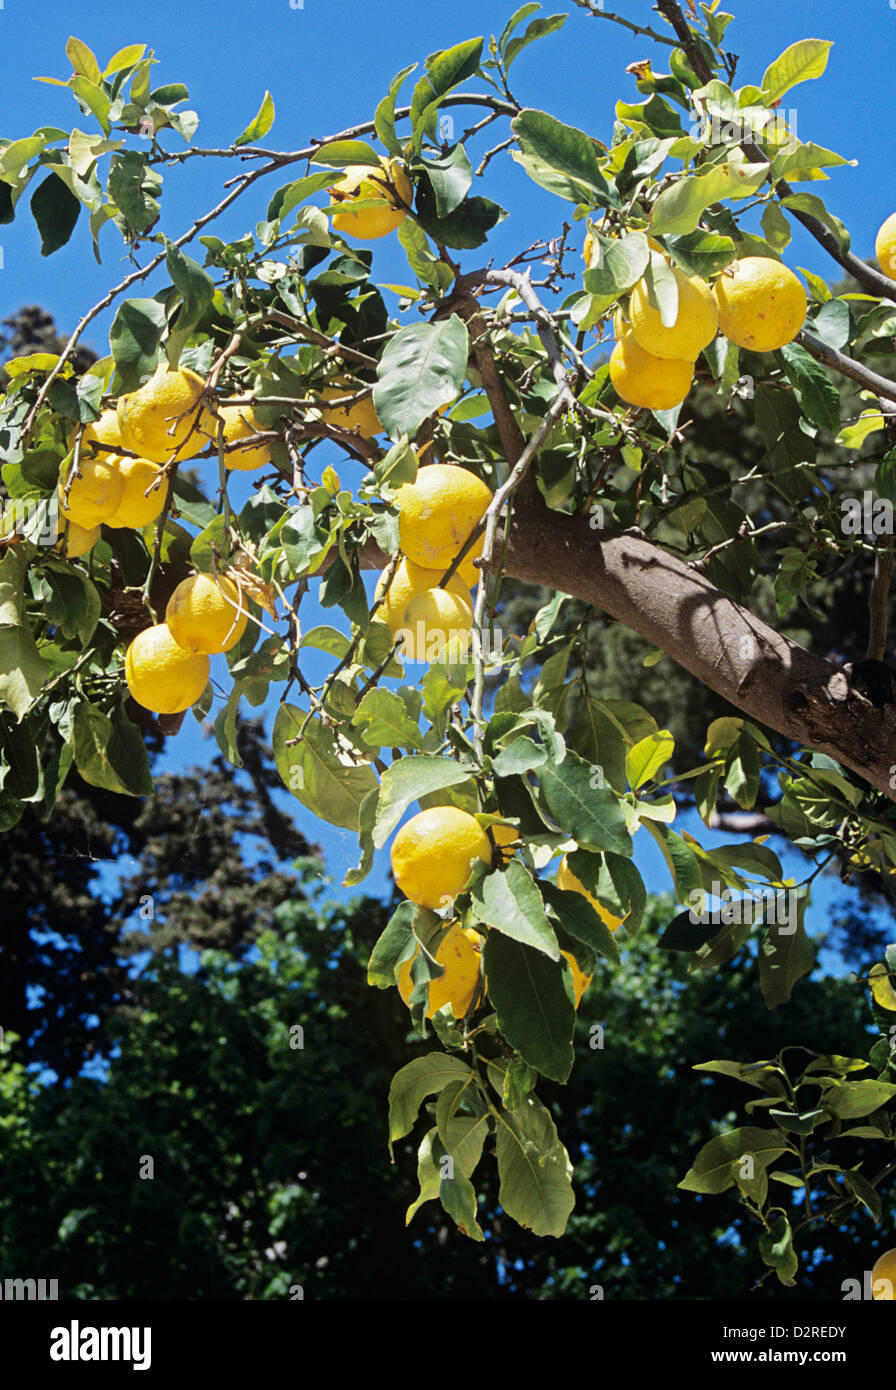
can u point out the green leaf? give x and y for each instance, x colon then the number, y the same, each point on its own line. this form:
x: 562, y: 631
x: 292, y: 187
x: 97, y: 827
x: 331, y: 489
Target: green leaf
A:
x: 534, y: 1170
x: 94, y: 98
x: 588, y: 813
x: 680, y: 207
x: 851, y: 1100
x: 560, y: 158
x: 648, y: 757
x: 444, y: 71
x: 314, y: 772
x: 803, y: 60
x: 535, y: 1013
x: 339, y: 154
x: 785, y: 955
x: 619, y: 264
x: 110, y: 753
x: 713, y: 1168
x: 538, y: 29
x: 134, y: 338
x: 133, y: 185
x: 776, y: 1249
x: 22, y: 669
x: 819, y: 398
x: 578, y: 918
x: 197, y: 290
x: 701, y: 253
x: 866, y: 1194
x: 450, y: 176
x: 510, y: 902
x: 422, y: 367
x: 406, y: 781
x: 391, y: 946
x: 382, y: 720
x: 260, y: 125
x: 764, y: 1076
x: 56, y: 211
x: 412, y: 1084
x: 813, y: 205
x: 384, y: 116
x: 125, y: 58
x: 82, y: 60
x: 465, y: 228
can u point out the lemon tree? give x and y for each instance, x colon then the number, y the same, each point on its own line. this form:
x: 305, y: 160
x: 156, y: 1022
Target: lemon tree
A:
x: 509, y: 410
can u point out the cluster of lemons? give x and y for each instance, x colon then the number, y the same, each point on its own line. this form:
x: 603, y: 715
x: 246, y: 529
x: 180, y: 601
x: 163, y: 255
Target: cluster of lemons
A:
x: 432, y: 857
x: 757, y: 303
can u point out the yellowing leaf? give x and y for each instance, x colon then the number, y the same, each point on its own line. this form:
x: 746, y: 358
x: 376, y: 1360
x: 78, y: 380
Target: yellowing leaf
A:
x: 801, y: 61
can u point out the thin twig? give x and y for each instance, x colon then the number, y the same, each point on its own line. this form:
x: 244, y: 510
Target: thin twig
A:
x: 879, y: 600
x: 594, y: 7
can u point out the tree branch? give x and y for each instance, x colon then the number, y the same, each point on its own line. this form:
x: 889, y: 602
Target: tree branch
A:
x: 847, y: 366
x: 600, y: 13
x: 879, y: 601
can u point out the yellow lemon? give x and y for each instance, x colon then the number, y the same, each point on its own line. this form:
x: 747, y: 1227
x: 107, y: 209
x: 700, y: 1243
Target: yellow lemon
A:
x: 885, y: 246
x: 103, y: 431
x: 884, y: 1269
x: 157, y: 421
x: 882, y: 987
x: 406, y: 583
x: 78, y: 540
x: 360, y: 415
x: 387, y: 188
x: 504, y: 836
x: 206, y: 614
x: 460, y: 953
x: 762, y: 304
x: 436, y: 627
x: 94, y: 494
x: 580, y: 981
x: 436, y: 514
x: 240, y: 421
x: 161, y: 676
x: 144, y: 491
x: 567, y: 880
x: 654, y: 383
x: 434, y: 853
x: 695, y: 325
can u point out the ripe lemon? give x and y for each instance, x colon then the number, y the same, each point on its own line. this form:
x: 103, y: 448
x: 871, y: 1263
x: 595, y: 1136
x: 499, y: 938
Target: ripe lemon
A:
x: 695, y: 325
x: 78, y: 540
x: 434, y: 853
x: 239, y: 421
x: 885, y: 246
x: 436, y: 514
x: 505, y: 835
x: 161, y: 676
x: 94, y: 494
x: 103, y: 431
x: 459, y: 953
x: 206, y: 614
x: 360, y: 416
x: 436, y: 627
x: 566, y: 879
x: 580, y: 981
x: 406, y: 583
x: 137, y: 507
x: 157, y: 421
x: 882, y: 987
x: 762, y: 304
x: 885, y: 1268
x: 363, y: 182
x: 654, y: 383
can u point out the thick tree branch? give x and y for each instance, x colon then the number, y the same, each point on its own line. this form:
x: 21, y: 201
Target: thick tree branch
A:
x: 847, y: 366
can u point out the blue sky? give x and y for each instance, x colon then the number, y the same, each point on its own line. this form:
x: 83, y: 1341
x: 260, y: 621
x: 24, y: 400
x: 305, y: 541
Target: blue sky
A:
x: 328, y: 62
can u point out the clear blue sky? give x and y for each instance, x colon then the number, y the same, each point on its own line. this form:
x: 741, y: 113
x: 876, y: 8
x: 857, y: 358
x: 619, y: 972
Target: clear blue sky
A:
x: 329, y: 62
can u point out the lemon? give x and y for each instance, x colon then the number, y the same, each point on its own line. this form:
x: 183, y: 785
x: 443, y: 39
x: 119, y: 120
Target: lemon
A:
x: 654, y: 383
x: 436, y: 627
x: 882, y: 987
x: 363, y: 182
x: 695, y: 325
x: 505, y: 835
x: 103, y: 431
x: 885, y: 1268
x: 138, y: 507
x: 360, y: 416
x: 434, y: 853
x: 406, y: 583
x: 239, y: 421
x: 79, y: 539
x: 885, y: 246
x: 157, y: 421
x: 459, y: 953
x: 567, y: 880
x: 94, y: 494
x: 161, y: 676
x: 580, y: 981
x: 206, y: 614
x: 436, y: 514
x: 762, y: 304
